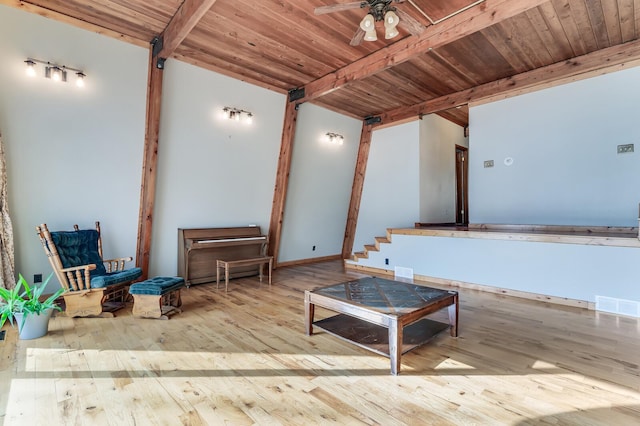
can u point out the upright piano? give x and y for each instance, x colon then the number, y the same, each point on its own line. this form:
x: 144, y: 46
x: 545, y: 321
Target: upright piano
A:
x: 199, y: 248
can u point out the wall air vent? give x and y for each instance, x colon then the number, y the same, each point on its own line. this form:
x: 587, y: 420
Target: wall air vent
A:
x: 401, y: 272
x: 618, y: 306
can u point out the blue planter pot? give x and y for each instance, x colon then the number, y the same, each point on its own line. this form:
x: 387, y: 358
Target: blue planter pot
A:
x: 34, y: 325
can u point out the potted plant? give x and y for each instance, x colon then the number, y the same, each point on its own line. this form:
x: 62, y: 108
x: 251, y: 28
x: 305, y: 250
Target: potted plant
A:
x: 30, y: 313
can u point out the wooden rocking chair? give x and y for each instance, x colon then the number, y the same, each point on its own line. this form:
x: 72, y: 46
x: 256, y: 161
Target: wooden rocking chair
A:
x: 94, y: 287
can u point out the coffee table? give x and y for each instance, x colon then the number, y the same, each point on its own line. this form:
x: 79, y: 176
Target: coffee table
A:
x: 383, y: 316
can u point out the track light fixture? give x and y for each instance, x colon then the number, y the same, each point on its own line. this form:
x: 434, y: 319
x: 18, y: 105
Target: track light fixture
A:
x: 335, y: 138
x: 237, y: 114
x: 54, y: 71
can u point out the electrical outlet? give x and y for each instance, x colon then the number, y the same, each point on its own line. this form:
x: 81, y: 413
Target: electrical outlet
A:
x: 313, y: 248
x: 623, y: 149
x: 37, y: 278
x: 488, y: 163
x: 386, y: 261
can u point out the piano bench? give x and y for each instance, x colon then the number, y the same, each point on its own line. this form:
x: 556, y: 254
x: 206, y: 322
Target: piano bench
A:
x: 157, y: 297
x: 228, y: 264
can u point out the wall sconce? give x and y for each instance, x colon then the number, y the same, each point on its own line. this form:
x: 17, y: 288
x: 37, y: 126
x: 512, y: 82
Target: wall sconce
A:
x: 237, y: 114
x: 54, y: 71
x: 335, y: 138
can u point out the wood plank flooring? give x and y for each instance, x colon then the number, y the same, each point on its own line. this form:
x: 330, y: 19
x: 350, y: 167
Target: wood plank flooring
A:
x: 242, y: 358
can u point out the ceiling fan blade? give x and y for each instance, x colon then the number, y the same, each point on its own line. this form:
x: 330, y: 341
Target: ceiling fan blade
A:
x: 357, y: 37
x: 340, y: 7
x: 409, y: 23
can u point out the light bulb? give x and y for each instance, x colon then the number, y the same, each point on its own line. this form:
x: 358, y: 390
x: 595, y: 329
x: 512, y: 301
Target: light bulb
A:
x: 249, y: 118
x: 368, y: 26
x: 31, y: 68
x: 237, y: 115
x: 56, y: 74
x: 390, y: 22
x: 367, y: 23
x: 80, y: 79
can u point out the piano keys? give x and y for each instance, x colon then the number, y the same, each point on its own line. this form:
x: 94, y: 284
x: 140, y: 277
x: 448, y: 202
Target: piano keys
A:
x: 200, y: 248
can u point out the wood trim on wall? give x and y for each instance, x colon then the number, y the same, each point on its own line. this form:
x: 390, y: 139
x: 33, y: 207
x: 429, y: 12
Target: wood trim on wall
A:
x: 478, y: 287
x: 310, y: 260
x: 356, y: 190
x: 282, y: 179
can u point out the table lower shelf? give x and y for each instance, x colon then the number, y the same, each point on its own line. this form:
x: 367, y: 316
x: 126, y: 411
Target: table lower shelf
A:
x: 375, y: 337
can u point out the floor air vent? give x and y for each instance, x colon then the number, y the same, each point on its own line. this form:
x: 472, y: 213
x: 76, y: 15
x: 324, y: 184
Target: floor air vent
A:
x: 618, y: 306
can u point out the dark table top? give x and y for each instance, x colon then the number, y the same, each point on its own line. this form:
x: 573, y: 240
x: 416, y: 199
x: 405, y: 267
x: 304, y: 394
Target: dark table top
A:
x: 387, y: 296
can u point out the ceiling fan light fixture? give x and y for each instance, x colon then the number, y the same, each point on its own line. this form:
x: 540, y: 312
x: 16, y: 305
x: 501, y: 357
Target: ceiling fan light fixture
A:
x: 390, y: 23
x: 370, y: 35
x: 368, y: 25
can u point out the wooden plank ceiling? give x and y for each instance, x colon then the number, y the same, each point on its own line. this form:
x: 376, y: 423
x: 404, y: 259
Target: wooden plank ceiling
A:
x: 282, y: 45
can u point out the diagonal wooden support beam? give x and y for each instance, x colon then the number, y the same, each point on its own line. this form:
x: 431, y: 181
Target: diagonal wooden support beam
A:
x: 181, y: 24
x: 149, y: 166
x: 465, y: 23
x: 282, y: 179
x: 356, y: 190
x: 184, y: 20
x: 599, y: 62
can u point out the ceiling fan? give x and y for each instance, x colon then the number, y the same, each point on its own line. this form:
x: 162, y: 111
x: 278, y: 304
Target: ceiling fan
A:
x: 379, y: 11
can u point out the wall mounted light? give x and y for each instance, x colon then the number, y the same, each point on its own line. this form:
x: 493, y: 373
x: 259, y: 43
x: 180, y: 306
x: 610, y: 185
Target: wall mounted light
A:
x: 335, y: 138
x: 54, y: 71
x: 237, y: 114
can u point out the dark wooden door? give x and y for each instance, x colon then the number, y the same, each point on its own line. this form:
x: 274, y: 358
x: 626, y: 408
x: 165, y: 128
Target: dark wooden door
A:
x: 462, y: 185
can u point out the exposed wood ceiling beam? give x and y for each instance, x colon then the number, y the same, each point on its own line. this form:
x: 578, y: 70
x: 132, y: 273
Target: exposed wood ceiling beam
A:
x: 185, y: 19
x: 465, y: 23
x: 599, y: 62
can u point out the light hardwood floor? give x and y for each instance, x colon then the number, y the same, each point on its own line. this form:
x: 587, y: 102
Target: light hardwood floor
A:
x: 242, y: 358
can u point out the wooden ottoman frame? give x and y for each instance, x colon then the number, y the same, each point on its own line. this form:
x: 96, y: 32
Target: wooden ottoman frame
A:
x: 162, y: 304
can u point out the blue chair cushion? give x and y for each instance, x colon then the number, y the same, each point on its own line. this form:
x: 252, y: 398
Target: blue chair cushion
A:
x: 77, y: 248
x: 157, y: 286
x: 111, y: 278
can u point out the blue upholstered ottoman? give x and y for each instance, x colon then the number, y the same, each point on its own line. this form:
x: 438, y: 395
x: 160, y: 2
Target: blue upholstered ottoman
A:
x: 157, y: 297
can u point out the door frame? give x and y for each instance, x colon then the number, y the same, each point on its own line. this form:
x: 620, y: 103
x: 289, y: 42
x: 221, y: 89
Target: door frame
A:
x: 462, y: 185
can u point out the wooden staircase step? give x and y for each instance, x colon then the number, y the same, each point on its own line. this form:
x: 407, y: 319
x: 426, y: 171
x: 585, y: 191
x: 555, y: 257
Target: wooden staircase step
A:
x: 360, y: 255
x: 382, y: 240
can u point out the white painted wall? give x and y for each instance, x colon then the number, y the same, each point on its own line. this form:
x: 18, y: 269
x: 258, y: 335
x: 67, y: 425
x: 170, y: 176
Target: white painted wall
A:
x: 565, y: 171
x: 212, y: 172
x: 73, y: 156
x: 563, y: 144
x: 438, y: 140
x: 319, y: 185
x: 390, y: 195
x: 564, y: 270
